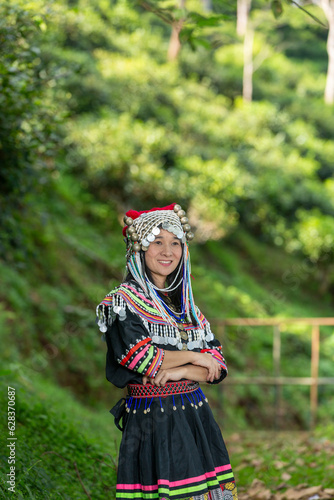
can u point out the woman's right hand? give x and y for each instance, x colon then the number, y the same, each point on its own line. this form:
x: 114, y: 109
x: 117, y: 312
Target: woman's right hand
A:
x: 207, y: 361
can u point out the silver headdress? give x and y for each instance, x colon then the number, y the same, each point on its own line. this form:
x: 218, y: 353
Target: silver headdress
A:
x: 141, y: 229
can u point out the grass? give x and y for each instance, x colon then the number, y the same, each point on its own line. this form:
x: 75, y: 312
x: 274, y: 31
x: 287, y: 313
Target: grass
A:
x: 63, y: 450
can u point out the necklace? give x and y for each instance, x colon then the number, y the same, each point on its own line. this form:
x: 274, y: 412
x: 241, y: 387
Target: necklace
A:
x: 172, y: 310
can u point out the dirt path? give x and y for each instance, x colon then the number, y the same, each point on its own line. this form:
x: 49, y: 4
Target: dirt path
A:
x: 283, y: 465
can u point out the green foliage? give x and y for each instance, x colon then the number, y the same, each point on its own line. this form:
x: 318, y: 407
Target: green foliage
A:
x: 29, y: 133
x: 58, y: 454
x: 256, y: 178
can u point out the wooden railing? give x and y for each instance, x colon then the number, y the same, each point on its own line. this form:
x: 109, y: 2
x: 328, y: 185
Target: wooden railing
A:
x: 277, y: 380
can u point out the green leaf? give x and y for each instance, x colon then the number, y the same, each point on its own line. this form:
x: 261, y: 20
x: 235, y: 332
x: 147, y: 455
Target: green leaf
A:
x: 203, y: 42
x: 202, y: 21
x: 277, y: 8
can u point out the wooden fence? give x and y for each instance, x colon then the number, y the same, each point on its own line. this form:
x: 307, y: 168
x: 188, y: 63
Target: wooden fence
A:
x: 277, y: 380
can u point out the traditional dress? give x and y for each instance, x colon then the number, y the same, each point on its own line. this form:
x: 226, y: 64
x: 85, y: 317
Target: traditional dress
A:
x: 172, y: 447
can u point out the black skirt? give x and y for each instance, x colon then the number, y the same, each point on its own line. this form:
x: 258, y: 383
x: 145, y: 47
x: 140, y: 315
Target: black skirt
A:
x: 172, y: 447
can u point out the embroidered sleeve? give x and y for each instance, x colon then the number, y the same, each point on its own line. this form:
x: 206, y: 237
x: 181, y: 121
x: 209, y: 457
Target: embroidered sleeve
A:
x: 213, y: 346
x: 142, y: 357
x: 218, y: 355
x: 128, y: 340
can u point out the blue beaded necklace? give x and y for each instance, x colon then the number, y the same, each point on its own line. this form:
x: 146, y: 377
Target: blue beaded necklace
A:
x: 178, y: 317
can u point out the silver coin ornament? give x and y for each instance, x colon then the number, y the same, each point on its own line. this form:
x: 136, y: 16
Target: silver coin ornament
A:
x: 133, y: 237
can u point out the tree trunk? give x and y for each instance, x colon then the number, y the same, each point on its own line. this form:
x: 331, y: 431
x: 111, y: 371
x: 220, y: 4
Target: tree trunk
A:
x: 247, y: 83
x: 328, y: 8
x: 243, y: 8
x: 174, y: 42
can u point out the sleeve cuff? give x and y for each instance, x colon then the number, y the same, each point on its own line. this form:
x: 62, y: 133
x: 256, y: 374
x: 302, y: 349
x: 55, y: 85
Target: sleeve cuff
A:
x: 154, y: 367
x: 218, y: 357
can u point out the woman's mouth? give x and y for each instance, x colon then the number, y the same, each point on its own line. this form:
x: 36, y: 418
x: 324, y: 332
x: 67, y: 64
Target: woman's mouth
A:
x: 165, y: 262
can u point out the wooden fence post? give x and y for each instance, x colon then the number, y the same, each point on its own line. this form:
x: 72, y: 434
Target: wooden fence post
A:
x: 314, y: 374
x: 277, y: 373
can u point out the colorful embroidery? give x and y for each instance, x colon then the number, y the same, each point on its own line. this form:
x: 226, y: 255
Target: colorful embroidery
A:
x: 230, y: 491
x: 216, y: 354
x: 143, y: 358
x: 175, y: 490
x: 161, y: 332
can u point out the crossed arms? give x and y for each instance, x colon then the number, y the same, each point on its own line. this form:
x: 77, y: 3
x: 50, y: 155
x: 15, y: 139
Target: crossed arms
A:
x: 176, y: 365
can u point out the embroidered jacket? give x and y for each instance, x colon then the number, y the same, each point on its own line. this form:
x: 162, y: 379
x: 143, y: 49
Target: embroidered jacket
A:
x: 135, y: 332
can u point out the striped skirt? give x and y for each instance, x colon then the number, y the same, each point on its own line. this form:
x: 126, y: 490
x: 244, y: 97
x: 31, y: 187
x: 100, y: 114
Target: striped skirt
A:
x: 171, y: 447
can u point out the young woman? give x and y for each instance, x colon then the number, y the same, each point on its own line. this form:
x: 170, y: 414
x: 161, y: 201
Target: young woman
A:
x: 161, y: 346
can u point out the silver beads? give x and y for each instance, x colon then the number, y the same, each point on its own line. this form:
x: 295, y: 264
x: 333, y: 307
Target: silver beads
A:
x: 184, y: 221
x: 143, y: 230
x: 128, y: 220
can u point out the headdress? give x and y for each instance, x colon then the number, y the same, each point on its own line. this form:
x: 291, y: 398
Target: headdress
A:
x: 141, y: 229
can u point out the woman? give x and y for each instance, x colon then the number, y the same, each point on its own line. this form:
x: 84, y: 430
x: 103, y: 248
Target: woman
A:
x: 160, y: 346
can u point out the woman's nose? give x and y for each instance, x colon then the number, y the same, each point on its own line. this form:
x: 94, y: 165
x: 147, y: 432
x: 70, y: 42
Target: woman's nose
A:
x: 167, y: 250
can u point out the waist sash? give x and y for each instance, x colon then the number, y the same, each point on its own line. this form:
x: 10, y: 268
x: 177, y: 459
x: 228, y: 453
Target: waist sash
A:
x: 150, y: 390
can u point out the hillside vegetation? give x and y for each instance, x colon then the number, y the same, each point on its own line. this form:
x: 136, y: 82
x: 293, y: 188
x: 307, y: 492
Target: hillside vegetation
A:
x: 94, y: 121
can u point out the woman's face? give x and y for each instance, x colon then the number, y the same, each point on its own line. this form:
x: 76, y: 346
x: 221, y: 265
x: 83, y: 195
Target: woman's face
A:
x: 163, y: 256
